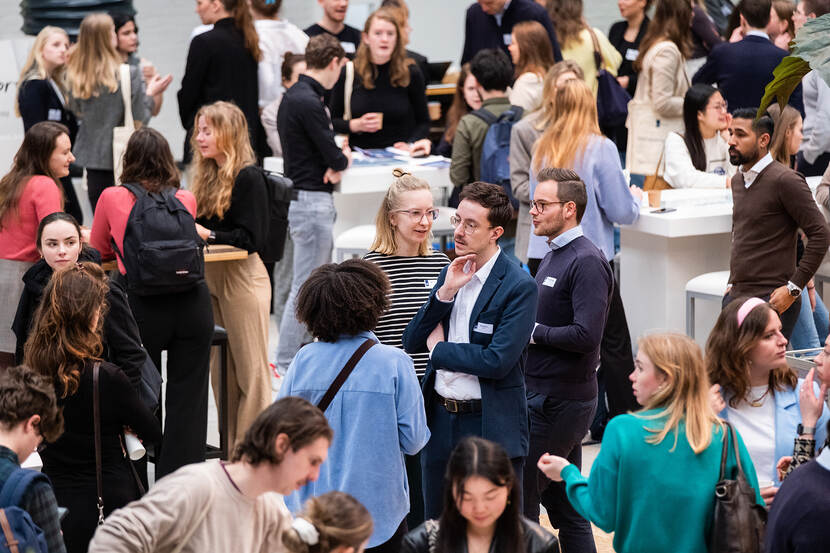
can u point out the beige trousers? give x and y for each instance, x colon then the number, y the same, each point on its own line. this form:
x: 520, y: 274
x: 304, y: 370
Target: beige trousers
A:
x: 240, y: 292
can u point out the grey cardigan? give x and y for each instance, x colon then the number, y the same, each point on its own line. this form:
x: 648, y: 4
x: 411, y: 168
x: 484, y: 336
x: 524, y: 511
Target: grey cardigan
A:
x: 522, y: 138
x: 98, y: 115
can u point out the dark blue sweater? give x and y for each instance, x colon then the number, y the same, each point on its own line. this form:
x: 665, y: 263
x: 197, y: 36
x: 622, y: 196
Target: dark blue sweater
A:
x: 575, y: 284
x: 482, y: 31
x: 798, y: 519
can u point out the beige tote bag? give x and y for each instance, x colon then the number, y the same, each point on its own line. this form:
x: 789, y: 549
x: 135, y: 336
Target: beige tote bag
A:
x: 647, y: 130
x: 120, y: 135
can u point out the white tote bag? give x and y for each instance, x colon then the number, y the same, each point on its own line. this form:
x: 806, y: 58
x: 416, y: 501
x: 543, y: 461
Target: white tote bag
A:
x: 120, y: 135
x: 647, y: 129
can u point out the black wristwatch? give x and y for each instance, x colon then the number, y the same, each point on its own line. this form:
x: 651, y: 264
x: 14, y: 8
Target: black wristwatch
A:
x: 801, y: 430
x: 212, y: 237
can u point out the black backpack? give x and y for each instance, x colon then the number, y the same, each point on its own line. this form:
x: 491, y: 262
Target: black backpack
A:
x: 280, y: 190
x: 163, y: 254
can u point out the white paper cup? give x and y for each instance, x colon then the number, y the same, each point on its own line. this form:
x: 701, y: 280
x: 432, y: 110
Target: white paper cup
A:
x: 33, y: 462
x: 135, y: 449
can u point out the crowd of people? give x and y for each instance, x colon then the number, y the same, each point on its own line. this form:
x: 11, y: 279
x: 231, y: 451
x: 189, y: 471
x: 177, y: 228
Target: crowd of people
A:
x: 427, y: 401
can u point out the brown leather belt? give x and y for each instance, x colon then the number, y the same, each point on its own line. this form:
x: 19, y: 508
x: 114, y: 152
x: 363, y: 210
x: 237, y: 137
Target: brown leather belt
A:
x: 457, y: 406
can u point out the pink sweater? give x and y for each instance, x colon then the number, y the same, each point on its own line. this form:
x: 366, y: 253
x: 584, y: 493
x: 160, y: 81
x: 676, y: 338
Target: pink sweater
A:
x: 18, y: 231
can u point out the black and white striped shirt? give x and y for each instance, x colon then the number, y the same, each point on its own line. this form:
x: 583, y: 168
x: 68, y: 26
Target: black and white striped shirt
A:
x: 412, y: 280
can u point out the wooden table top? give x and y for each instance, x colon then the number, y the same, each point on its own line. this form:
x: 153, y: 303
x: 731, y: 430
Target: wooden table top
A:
x: 217, y: 252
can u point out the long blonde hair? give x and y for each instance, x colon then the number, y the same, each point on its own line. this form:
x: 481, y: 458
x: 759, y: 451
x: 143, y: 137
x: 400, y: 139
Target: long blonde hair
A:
x: 574, y: 122
x: 547, y: 108
x: 35, y: 66
x: 93, y: 61
x: 385, y: 242
x: 684, y: 397
x: 212, y: 185
x: 398, y: 64
x: 785, y: 121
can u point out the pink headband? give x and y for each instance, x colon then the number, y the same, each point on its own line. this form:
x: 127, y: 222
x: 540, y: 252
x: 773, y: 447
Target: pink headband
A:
x: 746, y: 307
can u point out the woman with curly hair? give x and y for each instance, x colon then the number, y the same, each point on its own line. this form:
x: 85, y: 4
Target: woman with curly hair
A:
x: 377, y: 413
x: 233, y: 209
x: 761, y: 395
x: 66, y: 346
x: 386, y: 104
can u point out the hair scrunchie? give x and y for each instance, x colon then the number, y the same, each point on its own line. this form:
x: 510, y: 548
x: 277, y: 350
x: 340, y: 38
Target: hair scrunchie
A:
x: 307, y: 532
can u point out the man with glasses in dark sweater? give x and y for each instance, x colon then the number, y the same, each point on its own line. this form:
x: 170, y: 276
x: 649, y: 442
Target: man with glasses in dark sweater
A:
x: 575, y: 284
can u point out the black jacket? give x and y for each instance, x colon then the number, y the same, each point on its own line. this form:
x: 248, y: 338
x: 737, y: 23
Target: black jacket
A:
x: 38, y: 101
x: 537, y: 539
x: 482, y: 31
x: 219, y: 67
x: 122, y: 341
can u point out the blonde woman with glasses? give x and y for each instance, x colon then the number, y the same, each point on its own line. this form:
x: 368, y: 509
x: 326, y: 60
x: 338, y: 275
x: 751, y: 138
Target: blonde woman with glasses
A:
x: 95, y: 96
x: 233, y: 209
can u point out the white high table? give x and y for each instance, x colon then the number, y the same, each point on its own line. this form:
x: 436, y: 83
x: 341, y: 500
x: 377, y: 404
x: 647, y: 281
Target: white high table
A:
x: 361, y: 191
x: 662, y: 251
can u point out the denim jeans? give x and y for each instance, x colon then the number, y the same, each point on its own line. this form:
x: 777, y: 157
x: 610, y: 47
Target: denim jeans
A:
x: 811, y: 328
x: 310, y: 221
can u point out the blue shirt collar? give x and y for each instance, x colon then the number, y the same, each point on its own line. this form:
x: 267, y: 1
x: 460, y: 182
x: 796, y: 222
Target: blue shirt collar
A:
x: 565, y: 238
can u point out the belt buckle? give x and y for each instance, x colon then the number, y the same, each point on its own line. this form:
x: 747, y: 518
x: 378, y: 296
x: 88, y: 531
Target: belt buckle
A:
x: 451, y: 405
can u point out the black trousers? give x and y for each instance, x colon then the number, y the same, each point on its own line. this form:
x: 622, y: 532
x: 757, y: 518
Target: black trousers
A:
x: 816, y: 169
x: 788, y: 317
x: 616, y: 359
x: 181, y: 324
x: 96, y: 181
x: 557, y: 426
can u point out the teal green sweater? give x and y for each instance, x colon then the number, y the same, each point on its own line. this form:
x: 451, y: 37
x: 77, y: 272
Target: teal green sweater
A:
x: 652, y: 498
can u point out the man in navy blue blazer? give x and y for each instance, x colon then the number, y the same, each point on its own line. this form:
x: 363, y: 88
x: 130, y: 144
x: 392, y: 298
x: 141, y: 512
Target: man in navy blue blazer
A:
x: 490, y: 22
x: 743, y: 69
x: 476, y: 325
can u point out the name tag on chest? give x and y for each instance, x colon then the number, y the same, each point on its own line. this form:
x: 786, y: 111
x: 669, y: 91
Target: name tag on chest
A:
x: 508, y: 39
x: 631, y: 54
x: 549, y: 282
x: 483, y: 328
x: 348, y: 47
x: 54, y: 115
x: 430, y: 284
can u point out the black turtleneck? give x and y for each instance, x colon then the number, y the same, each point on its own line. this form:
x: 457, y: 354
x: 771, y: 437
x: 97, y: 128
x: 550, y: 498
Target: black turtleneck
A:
x: 405, y: 116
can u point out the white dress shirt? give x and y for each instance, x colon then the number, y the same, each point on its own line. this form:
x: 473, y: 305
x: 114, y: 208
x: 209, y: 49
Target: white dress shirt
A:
x: 749, y: 176
x: 458, y: 385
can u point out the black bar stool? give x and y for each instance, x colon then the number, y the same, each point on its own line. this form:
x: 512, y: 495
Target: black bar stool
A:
x: 220, y: 340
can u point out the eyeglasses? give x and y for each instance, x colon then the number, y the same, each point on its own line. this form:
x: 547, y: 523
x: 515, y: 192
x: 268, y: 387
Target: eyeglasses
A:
x: 415, y: 215
x: 540, y: 206
x: 469, y: 226
x: 722, y: 106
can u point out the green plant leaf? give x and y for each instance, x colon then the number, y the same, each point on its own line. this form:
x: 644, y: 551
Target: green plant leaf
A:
x: 810, y: 50
x: 786, y: 78
x: 812, y: 44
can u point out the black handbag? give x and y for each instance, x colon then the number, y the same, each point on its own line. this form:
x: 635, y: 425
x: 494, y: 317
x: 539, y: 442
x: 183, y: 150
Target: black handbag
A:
x: 149, y: 390
x: 739, y: 523
x: 612, y: 99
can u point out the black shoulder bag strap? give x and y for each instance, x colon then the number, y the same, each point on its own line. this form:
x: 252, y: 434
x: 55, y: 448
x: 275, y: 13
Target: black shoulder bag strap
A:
x: 344, y: 374
x: 96, y: 415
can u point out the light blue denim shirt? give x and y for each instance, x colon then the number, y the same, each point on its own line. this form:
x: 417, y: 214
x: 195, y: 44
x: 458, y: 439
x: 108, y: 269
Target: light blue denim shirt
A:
x: 377, y: 416
x: 787, y: 417
x: 609, y: 199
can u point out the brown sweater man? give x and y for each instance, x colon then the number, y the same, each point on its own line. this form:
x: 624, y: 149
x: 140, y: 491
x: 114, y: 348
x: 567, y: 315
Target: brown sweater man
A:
x: 771, y: 202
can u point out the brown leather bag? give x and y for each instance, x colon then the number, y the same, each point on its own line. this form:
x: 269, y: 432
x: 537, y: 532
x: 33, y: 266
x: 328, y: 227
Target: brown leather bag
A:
x: 656, y: 181
x: 739, y: 522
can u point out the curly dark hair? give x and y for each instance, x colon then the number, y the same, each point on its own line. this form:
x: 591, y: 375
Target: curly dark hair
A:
x: 491, y: 196
x: 295, y: 417
x: 343, y: 299
x: 24, y: 393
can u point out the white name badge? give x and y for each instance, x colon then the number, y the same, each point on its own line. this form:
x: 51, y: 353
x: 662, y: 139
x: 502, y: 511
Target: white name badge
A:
x: 348, y: 47
x: 54, y: 115
x: 483, y: 328
x: 508, y: 38
x: 631, y: 54
x: 549, y: 281
x: 430, y: 283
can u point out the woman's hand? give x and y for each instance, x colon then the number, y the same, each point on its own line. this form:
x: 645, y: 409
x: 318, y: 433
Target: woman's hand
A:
x: 768, y: 494
x: 204, y: 233
x: 552, y: 466
x: 158, y: 84
x: 368, y: 122
x: 420, y: 147
x: 782, y: 466
x: 716, y: 398
x: 810, y: 405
